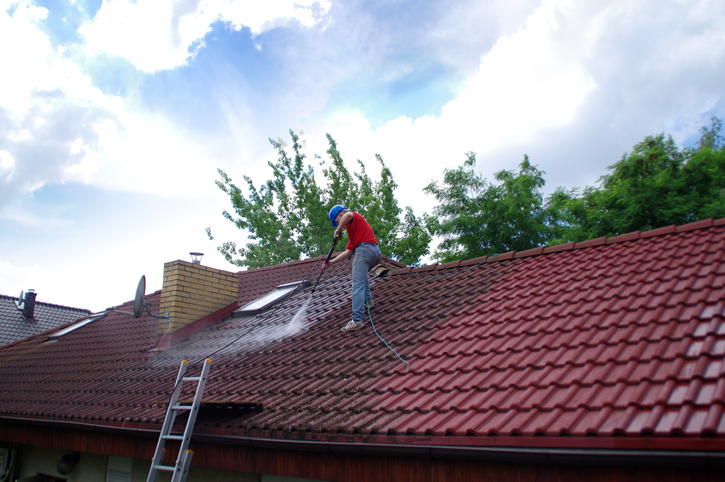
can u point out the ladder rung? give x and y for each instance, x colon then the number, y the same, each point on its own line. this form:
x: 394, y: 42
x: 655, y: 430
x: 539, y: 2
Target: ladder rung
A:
x: 180, y: 469
x: 182, y: 407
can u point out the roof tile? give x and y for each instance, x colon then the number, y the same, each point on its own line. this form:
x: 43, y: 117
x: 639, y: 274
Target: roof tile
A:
x: 623, y: 237
x: 705, y: 223
x: 14, y: 326
x: 501, y: 257
x: 558, y: 248
x: 623, y: 336
x: 529, y: 252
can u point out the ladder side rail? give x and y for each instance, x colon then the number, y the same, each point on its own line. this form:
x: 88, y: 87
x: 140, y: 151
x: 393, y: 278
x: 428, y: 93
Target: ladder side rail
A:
x: 168, y: 423
x: 193, y: 413
x: 171, y: 413
x: 182, y: 470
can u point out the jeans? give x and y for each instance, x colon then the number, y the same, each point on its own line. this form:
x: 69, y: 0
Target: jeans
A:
x: 367, y: 255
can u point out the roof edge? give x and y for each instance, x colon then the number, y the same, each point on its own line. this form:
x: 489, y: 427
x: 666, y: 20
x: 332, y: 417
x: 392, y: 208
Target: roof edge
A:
x: 543, y: 250
x: 634, y: 444
x: 54, y: 305
x: 518, y: 452
x: 386, y: 260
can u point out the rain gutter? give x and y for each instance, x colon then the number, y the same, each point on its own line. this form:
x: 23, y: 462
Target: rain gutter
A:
x: 544, y: 455
x: 685, y: 458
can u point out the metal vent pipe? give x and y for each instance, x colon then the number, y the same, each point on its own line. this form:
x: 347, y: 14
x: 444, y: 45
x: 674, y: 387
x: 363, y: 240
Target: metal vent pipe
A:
x: 29, y: 304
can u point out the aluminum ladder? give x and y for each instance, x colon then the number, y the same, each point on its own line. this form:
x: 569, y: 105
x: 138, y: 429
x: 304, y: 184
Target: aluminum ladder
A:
x: 183, y: 461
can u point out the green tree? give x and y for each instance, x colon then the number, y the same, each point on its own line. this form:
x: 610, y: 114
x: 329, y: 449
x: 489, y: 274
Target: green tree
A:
x: 286, y: 217
x: 657, y: 184
x: 646, y: 189
x: 705, y: 174
x: 475, y: 217
x: 412, y: 241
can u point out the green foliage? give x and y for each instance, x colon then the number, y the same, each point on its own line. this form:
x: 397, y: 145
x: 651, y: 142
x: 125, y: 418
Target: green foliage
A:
x: 657, y: 184
x: 705, y: 174
x: 711, y: 138
x: 286, y: 217
x: 476, y: 218
x: 412, y: 244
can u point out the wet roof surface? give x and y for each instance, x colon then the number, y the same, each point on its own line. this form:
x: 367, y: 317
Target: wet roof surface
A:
x: 613, y: 337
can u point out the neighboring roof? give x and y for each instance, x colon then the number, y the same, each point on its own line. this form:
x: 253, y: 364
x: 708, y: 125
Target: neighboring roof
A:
x: 14, y: 326
x: 611, y: 343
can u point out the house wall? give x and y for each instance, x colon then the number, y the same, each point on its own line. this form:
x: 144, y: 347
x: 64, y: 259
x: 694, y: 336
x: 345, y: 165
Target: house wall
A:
x: 44, y: 460
x: 93, y: 468
x: 198, y: 474
x: 219, y: 461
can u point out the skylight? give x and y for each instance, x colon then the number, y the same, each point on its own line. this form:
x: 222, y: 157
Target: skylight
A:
x: 270, y: 298
x: 76, y: 326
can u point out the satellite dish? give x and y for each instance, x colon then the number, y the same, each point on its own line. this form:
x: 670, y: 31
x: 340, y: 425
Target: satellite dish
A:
x: 138, y: 304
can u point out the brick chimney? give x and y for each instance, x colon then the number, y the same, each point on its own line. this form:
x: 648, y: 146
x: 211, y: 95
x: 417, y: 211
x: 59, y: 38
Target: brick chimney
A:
x: 192, y: 291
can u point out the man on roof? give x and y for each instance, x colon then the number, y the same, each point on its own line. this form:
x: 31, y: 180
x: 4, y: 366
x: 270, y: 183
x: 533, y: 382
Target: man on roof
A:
x: 362, y: 244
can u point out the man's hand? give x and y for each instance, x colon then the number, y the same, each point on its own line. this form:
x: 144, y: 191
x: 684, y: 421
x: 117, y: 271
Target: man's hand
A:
x: 338, y: 234
x: 325, y: 266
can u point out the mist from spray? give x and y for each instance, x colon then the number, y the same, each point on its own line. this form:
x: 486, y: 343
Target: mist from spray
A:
x: 298, y: 321
x: 261, y: 335
x: 271, y: 333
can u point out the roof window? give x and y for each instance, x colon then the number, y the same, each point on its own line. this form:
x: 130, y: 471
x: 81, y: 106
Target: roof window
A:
x: 264, y: 302
x: 76, y: 326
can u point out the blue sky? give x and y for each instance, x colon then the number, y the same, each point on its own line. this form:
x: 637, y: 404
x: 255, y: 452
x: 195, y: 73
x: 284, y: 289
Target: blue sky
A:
x: 115, y: 114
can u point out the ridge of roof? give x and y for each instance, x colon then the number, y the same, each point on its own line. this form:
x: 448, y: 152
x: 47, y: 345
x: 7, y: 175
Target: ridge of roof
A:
x: 279, y: 265
x: 50, y: 305
x: 543, y: 250
x: 386, y: 261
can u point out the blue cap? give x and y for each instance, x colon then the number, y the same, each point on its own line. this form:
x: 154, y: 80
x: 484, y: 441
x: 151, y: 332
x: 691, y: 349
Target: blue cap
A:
x: 334, y: 212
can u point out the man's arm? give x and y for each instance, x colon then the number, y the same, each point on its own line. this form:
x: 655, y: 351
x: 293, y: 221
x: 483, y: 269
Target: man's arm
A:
x: 346, y: 218
x: 341, y: 257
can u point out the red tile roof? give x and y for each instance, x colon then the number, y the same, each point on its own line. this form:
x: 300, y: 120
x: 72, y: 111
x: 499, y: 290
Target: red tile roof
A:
x: 615, y: 342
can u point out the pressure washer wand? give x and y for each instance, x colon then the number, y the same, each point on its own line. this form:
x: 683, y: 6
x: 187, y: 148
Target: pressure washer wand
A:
x: 329, y: 255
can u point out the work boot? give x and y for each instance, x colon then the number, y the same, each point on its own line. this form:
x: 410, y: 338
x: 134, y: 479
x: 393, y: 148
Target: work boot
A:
x: 353, y: 325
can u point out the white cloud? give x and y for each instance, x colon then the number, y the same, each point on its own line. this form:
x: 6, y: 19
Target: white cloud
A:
x: 575, y: 87
x: 151, y: 154
x: 57, y: 127
x: 21, y: 278
x: 7, y: 164
x: 157, y: 35
x: 527, y: 82
x: 48, y: 109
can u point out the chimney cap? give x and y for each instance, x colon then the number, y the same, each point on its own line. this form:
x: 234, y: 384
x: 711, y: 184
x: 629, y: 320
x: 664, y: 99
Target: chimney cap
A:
x: 196, y: 257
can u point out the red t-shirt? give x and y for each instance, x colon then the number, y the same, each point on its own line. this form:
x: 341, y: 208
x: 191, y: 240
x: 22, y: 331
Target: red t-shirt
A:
x: 359, y: 231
